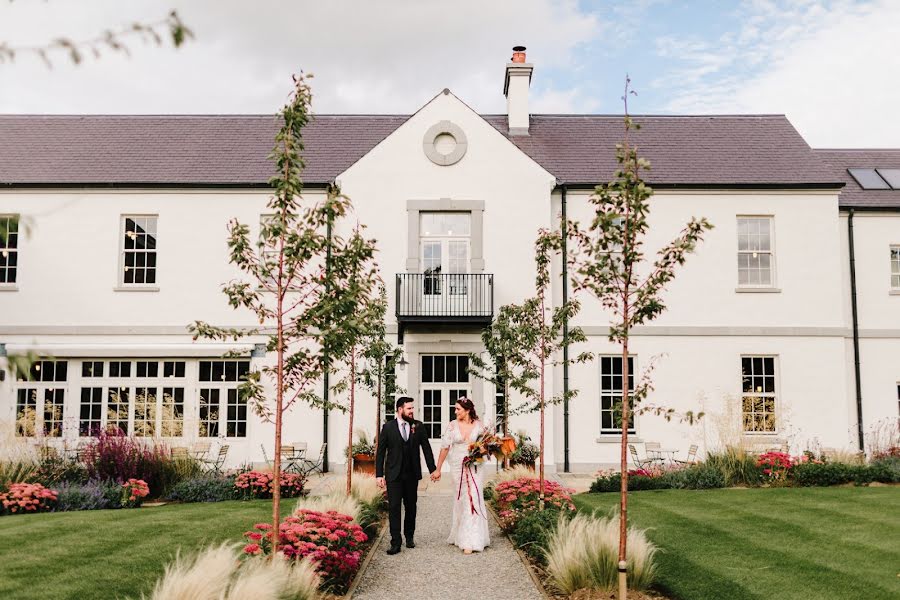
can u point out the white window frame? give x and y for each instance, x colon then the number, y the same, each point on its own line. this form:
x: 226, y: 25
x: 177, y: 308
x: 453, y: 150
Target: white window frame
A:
x: 8, y: 251
x: 41, y: 389
x: 221, y: 406
x: 121, y: 285
x: 775, y: 395
x: 132, y: 383
x: 895, y: 267
x: 606, y: 431
x: 770, y: 252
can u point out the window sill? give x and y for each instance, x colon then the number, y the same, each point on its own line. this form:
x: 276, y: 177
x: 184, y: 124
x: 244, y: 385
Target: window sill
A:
x: 136, y: 288
x: 894, y: 293
x: 757, y: 290
x: 616, y: 438
x: 15, y: 288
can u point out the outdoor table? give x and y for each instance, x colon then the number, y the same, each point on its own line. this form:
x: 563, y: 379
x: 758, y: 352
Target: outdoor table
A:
x: 659, y: 452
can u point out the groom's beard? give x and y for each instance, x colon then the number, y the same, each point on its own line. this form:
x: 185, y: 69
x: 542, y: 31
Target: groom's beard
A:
x: 407, y: 419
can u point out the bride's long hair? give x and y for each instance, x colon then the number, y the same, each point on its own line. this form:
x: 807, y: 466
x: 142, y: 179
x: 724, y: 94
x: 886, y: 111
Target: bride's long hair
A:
x: 469, y: 406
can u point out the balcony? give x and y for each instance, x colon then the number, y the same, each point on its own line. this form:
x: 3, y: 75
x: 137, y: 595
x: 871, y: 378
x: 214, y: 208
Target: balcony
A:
x: 444, y: 298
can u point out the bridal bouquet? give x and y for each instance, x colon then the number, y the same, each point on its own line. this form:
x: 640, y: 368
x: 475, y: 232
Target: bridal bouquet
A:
x: 488, y: 444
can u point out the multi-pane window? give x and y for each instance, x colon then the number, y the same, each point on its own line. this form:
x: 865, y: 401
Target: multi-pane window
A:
x: 390, y: 388
x: 40, y: 398
x: 895, y: 267
x: 499, y: 399
x: 132, y: 397
x: 445, y: 369
x: 445, y: 238
x: 611, y: 379
x: 145, y: 411
x: 432, y: 409
x: 117, y: 401
x: 445, y: 379
x: 222, y: 408
x: 90, y: 417
x: 759, y: 397
x: 172, y: 417
x: 9, y: 249
x: 756, y: 259
x: 139, y: 250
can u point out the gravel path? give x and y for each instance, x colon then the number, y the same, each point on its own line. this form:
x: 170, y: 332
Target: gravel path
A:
x: 437, y: 570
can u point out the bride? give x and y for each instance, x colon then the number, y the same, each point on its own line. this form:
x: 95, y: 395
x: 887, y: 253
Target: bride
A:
x: 468, y: 529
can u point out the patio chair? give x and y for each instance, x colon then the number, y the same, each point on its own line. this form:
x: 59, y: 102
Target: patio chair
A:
x: 641, y: 463
x: 269, y: 463
x: 317, y: 465
x: 691, y: 456
x: 215, y: 465
x: 180, y: 453
x: 200, y: 450
x: 291, y: 459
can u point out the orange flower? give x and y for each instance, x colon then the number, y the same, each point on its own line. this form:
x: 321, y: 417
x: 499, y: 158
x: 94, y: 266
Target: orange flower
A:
x: 508, y: 445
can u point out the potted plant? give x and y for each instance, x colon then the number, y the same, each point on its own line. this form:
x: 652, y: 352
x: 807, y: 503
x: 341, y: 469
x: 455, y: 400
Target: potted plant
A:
x: 362, y: 453
x: 526, y: 453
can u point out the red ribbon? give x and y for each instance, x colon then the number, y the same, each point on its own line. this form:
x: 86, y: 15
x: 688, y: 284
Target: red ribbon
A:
x: 466, y: 472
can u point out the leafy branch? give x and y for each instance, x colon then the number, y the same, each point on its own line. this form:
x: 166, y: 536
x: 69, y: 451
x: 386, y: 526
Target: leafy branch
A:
x: 110, y: 40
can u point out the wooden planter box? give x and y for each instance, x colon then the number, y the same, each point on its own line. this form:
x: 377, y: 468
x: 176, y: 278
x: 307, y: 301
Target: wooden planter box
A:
x: 364, y: 463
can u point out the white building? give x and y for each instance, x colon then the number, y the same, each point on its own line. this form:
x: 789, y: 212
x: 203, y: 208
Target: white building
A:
x: 127, y: 245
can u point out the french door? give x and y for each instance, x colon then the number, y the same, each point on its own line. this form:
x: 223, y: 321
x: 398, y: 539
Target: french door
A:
x: 445, y: 263
x: 444, y: 380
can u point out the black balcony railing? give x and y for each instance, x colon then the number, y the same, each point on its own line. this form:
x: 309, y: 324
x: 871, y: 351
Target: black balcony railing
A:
x: 435, y: 297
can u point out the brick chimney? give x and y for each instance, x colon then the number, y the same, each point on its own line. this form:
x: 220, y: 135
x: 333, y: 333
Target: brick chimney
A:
x: 515, y: 88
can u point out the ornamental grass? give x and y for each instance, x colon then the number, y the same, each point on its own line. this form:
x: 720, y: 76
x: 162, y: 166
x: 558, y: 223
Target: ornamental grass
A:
x: 583, y: 553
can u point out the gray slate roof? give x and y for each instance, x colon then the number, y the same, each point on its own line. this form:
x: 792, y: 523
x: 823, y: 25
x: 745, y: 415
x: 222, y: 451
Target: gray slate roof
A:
x: 752, y: 151
x: 852, y: 195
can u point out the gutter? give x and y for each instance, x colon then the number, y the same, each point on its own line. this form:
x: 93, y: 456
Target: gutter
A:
x: 853, y: 305
x: 565, y: 298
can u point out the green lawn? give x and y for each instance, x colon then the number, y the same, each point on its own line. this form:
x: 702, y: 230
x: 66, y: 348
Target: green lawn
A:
x: 770, y: 543
x: 111, y: 553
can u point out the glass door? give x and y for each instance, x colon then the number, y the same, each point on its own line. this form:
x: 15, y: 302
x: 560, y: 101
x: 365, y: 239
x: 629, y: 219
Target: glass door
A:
x: 444, y: 380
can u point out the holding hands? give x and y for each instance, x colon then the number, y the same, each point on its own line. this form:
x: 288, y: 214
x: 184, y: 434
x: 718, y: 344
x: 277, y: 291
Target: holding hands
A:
x: 435, y: 475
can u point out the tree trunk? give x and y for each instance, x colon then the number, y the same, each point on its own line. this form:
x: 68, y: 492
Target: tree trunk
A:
x: 350, y: 426
x: 505, y: 415
x: 543, y: 368
x: 623, y: 493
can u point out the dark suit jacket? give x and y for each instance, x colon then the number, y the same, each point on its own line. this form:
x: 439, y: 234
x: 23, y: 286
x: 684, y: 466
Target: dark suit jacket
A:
x: 389, y: 457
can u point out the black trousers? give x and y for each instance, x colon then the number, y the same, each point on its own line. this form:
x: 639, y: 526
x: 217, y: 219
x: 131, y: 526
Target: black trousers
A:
x: 402, y: 490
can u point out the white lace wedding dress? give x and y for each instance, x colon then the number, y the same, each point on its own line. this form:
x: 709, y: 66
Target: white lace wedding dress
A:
x: 467, y: 529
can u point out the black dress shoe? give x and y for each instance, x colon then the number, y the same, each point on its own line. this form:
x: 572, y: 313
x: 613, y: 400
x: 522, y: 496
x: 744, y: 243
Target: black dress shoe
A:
x: 393, y: 550
x: 410, y: 543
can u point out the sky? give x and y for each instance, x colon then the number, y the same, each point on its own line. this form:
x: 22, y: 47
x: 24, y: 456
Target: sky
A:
x: 830, y: 66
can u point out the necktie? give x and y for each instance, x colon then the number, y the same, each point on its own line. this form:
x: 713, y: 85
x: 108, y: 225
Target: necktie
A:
x: 403, y: 431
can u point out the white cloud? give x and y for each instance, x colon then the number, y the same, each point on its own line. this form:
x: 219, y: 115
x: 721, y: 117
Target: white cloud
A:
x: 832, y: 69
x: 366, y: 56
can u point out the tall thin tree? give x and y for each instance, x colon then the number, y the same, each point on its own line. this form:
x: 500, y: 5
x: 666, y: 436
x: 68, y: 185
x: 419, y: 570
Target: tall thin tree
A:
x: 286, y: 286
x: 527, y: 337
x: 610, y: 264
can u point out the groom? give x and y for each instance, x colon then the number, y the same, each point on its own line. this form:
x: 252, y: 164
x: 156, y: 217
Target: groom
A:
x: 399, y: 442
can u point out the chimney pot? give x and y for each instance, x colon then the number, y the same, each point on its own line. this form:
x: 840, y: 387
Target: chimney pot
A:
x: 518, y: 54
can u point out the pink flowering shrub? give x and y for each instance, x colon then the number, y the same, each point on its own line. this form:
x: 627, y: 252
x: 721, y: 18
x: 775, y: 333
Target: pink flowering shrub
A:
x: 27, y: 497
x: 258, y: 484
x: 331, y: 539
x: 133, y: 492
x: 519, y: 497
x: 775, y: 465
